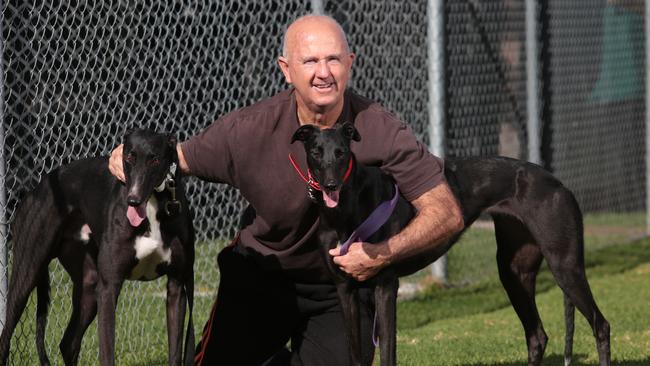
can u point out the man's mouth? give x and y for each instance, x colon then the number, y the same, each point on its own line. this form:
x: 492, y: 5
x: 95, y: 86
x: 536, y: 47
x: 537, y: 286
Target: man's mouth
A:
x: 324, y: 86
x: 331, y: 198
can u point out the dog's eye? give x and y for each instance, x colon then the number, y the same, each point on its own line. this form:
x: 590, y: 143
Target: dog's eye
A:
x: 339, y: 153
x: 154, y: 161
x: 316, y: 153
x: 130, y: 158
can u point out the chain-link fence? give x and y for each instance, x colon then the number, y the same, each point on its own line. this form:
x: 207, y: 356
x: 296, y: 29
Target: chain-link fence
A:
x: 77, y: 75
x: 596, y: 101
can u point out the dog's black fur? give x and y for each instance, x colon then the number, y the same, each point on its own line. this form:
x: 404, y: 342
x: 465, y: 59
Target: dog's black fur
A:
x: 51, y: 223
x: 535, y: 217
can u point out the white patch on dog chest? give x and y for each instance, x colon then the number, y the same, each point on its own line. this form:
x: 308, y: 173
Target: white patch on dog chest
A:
x: 84, y: 234
x: 149, y: 249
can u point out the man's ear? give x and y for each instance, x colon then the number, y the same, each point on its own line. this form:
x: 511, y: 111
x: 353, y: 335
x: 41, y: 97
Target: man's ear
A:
x: 303, y: 133
x: 349, y: 131
x: 283, y: 62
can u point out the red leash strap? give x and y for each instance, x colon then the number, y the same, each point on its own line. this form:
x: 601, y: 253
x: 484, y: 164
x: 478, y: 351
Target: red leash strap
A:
x: 348, y: 172
x: 207, y: 329
x: 207, y: 334
x: 309, y: 180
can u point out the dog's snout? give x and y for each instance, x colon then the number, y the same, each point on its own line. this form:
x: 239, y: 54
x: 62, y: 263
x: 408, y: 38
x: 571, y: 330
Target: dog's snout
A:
x: 134, y: 201
x: 331, y: 185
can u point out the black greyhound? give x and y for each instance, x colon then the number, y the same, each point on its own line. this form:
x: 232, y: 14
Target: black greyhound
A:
x: 535, y: 217
x: 104, y: 232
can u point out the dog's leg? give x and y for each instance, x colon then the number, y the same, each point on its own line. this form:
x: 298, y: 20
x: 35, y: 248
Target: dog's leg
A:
x: 23, y: 281
x: 386, y: 318
x: 108, y: 290
x: 35, y: 227
x: 349, y: 298
x: 573, y: 281
x: 188, y: 354
x: 84, y: 309
x: 175, y: 320
x: 43, y: 300
x: 569, y: 272
x: 569, y: 321
x: 561, y: 241
x: 519, y: 259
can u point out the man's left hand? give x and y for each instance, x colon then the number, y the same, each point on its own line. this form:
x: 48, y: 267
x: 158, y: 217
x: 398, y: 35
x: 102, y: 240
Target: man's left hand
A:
x: 362, y: 261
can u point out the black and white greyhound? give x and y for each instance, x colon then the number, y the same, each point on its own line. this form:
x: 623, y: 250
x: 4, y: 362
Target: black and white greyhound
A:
x: 104, y: 232
x: 535, y: 217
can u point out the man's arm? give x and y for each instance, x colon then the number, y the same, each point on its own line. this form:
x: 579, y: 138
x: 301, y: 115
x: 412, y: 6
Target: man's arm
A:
x: 116, y: 168
x: 437, y: 220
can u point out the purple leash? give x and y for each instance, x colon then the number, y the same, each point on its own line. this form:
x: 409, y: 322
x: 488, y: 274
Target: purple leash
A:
x: 368, y: 227
x: 372, y: 223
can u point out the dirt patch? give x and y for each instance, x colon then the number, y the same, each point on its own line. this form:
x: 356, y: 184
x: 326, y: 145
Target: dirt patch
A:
x: 631, y: 232
x: 591, y: 230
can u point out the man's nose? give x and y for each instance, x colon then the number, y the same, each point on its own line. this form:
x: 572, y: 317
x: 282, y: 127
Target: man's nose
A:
x: 323, y: 69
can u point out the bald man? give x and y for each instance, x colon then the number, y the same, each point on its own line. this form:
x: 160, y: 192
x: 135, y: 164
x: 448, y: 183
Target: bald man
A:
x: 274, y: 287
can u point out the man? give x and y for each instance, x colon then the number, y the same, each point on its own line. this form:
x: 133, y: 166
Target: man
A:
x: 274, y: 287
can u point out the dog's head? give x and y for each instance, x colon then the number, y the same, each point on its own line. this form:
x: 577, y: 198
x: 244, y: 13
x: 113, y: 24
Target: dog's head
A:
x: 328, y: 156
x: 147, y: 158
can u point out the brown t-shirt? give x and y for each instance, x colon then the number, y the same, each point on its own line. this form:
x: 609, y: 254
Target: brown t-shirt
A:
x: 249, y: 149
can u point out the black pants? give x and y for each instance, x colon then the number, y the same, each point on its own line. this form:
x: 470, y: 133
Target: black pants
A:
x: 258, y: 312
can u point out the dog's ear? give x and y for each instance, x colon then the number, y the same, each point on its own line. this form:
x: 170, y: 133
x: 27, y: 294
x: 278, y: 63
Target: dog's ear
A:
x: 303, y: 133
x: 172, y: 141
x: 349, y: 131
x: 127, y: 133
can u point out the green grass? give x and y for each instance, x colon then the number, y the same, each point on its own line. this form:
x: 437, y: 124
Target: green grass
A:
x: 480, y: 328
x: 141, y: 335
x: 474, y: 279
x: 472, y: 323
x: 468, y: 323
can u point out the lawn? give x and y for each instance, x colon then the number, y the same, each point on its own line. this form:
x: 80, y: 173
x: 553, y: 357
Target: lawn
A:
x: 469, y: 322
x: 475, y: 325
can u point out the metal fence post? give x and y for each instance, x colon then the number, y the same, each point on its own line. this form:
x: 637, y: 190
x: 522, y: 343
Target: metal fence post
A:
x: 532, y: 84
x: 317, y: 6
x: 4, y: 252
x: 436, y: 86
x: 647, y: 115
x: 4, y: 265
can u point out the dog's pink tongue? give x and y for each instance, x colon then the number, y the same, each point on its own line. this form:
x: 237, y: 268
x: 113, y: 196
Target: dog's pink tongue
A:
x: 331, y: 199
x: 136, y: 214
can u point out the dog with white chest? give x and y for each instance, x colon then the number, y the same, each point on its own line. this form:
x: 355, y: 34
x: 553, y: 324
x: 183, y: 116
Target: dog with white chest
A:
x: 104, y: 232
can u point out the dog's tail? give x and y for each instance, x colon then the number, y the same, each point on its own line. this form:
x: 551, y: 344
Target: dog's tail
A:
x: 569, y: 318
x: 42, y: 304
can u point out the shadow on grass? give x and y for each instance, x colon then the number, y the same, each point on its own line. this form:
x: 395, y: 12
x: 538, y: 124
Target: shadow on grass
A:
x: 558, y: 360
x: 154, y: 361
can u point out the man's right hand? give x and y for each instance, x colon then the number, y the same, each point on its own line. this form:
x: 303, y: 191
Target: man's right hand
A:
x: 115, y: 163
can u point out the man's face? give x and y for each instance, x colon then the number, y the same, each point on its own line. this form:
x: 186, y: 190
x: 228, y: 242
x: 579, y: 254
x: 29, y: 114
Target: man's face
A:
x: 318, y: 65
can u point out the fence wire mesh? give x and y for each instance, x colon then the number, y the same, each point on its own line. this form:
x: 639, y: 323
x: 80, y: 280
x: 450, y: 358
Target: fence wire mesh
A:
x: 486, y: 93
x: 77, y: 75
x: 596, y: 111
